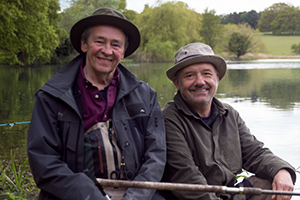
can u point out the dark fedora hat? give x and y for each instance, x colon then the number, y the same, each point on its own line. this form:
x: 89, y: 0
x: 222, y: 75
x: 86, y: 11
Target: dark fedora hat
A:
x: 106, y: 16
x: 196, y: 53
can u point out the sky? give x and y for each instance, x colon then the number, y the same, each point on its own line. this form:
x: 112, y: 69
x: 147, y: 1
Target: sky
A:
x: 220, y: 6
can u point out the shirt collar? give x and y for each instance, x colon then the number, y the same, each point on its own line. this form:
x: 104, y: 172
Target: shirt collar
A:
x: 114, y: 82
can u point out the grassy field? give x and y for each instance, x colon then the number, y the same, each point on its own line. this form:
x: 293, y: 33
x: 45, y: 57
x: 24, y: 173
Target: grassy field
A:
x: 279, y: 44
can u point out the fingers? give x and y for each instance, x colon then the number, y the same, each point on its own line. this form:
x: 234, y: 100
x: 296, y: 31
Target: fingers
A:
x: 282, y: 187
x: 282, y: 182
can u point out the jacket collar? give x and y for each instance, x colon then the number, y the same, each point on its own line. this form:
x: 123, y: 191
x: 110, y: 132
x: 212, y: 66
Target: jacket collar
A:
x: 62, y: 82
x: 188, y: 110
x: 128, y: 82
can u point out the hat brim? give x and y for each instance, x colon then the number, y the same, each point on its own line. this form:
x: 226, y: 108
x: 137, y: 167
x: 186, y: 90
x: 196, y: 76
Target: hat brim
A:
x: 217, y: 61
x: 130, y: 30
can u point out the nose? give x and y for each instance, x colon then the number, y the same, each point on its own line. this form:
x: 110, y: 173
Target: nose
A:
x: 107, y: 49
x: 199, y: 79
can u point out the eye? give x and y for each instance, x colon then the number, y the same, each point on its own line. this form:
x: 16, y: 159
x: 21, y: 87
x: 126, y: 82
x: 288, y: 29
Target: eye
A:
x: 99, y: 41
x: 207, y: 73
x: 117, y: 45
x: 189, y: 76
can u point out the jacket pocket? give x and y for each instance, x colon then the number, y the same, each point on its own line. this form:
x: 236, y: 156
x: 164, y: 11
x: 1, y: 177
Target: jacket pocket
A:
x: 69, y: 131
x: 136, y: 109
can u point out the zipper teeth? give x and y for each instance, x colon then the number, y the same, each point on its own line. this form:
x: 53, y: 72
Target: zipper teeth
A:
x: 100, y: 155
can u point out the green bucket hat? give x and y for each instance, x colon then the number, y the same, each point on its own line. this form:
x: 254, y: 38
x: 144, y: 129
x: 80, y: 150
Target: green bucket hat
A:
x: 106, y: 16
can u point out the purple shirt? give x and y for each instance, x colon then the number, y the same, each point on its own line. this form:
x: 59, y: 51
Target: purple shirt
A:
x: 95, y: 107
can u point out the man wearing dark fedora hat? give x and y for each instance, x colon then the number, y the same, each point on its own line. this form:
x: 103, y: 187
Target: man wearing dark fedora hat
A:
x: 95, y: 119
x: 208, y: 142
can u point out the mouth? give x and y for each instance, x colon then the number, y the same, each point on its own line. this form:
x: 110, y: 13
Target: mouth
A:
x: 105, y: 59
x: 199, y: 90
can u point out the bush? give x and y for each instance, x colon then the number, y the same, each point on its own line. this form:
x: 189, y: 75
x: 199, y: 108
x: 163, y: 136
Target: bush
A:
x: 63, y: 52
x: 239, y: 44
x: 296, y: 48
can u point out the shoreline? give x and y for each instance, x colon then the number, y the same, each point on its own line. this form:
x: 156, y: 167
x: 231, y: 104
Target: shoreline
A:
x: 250, y: 56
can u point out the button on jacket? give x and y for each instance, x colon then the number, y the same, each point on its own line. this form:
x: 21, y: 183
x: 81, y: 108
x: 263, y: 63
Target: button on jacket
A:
x: 56, y: 136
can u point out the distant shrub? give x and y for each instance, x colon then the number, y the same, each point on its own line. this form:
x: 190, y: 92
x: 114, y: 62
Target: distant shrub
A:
x: 239, y: 44
x: 296, y: 48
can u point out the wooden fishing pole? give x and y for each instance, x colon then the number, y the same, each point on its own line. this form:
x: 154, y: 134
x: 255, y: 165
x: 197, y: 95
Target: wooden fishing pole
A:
x: 190, y: 187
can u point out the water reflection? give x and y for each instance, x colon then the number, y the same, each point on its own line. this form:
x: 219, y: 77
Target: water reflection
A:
x: 265, y: 92
x: 277, y: 86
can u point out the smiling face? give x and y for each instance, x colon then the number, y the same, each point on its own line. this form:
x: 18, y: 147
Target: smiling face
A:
x: 197, y: 83
x: 104, y: 48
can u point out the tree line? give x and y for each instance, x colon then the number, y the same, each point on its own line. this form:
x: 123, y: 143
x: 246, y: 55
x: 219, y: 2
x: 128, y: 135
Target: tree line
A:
x: 36, y: 31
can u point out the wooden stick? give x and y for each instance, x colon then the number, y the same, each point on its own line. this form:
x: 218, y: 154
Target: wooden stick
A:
x: 190, y: 187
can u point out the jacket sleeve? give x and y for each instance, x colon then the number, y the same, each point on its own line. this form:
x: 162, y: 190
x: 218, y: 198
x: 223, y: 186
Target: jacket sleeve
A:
x: 152, y: 167
x: 257, y: 158
x: 51, y: 174
x: 180, y: 167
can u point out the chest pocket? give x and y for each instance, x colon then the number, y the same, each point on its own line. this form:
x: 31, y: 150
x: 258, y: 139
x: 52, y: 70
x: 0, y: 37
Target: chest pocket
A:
x: 135, y: 110
x: 139, y: 116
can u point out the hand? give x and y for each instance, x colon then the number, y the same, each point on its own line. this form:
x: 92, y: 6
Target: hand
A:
x: 282, y: 182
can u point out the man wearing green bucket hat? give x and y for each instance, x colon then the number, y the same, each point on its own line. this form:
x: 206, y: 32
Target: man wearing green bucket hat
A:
x: 208, y: 142
x: 95, y: 119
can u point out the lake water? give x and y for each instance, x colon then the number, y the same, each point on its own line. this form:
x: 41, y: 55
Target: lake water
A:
x: 265, y: 92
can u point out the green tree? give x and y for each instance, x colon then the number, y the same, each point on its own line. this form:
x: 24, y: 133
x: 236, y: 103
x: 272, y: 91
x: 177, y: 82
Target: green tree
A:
x: 130, y: 14
x: 211, y: 30
x: 166, y: 28
x: 286, y: 21
x: 232, y: 18
x: 280, y: 18
x: 83, y: 8
x: 257, y: 44
x: 239, y: 44
x: 251, y: 18
x: 122, y: 5
x: 296, y: 48
x: 268, y: 15
x: 28, y: 31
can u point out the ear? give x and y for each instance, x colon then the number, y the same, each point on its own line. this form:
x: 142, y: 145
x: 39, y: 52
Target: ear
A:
x: 83, y: 46
x: 176, y: 82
